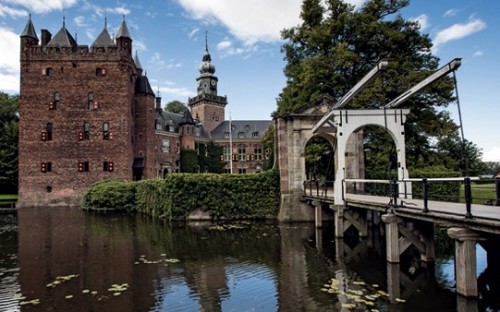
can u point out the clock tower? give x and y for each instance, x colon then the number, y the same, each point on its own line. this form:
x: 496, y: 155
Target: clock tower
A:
x: 207, y: 106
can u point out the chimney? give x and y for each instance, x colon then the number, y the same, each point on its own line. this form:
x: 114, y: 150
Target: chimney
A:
x: 46, y: 37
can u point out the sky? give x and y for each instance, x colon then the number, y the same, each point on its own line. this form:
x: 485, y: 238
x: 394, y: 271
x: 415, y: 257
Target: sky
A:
x: 244, y: 42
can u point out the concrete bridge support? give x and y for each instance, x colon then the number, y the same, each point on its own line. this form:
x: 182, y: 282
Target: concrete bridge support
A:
x: 465, y: 260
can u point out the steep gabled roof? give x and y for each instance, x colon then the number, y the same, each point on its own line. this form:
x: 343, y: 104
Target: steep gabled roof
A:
x: 137, y: 62
x: 251, y: 129
x: 187, y: 118
x: 104, y: 39
x: 62, y: 39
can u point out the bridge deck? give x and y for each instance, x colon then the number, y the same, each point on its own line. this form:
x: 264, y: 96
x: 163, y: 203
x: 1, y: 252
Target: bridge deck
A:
x: 484, y: 218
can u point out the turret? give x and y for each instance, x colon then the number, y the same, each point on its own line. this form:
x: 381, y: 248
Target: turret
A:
x: 123, y: 38
x: 28, y: 36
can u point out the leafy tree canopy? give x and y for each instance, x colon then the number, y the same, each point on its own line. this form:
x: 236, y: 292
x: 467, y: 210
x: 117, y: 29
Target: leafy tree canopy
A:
x: 335, y: 46
x: 175, y: 107
x: 9, y: 128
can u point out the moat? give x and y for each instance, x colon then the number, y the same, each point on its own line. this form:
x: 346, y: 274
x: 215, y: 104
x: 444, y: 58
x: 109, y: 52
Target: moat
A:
x: 65, y: 259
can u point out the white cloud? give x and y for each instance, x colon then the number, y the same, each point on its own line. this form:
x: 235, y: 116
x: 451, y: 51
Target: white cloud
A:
x: 458, y: 31
x: 79, y: 21
x: 478, y: 53
x: 176, y: 92
x: 422, y: 20
x: 158, y: 63
x: 249, y: 21
x: 492, y: 155
x: 101, y: 11
x: 5, y: 10
x: 9, y: 62
x: 43, y: 6
x: 450, y: 13
x: 226, y: 48
x: 193, y: 32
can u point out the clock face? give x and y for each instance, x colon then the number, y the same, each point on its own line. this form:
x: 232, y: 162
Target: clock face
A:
x: 213, y: 83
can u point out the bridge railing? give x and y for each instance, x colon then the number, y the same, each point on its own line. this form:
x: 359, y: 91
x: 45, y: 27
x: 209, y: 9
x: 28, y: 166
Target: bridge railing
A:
x: 467, y: 196
x: 316, y: 188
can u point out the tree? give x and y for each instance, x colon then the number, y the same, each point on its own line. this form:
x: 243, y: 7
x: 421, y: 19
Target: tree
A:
x: 335, y: 46
x: 175, y: 107
x: 9, y: 129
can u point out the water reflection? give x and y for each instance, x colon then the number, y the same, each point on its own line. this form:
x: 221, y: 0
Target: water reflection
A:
x: 133, y: 263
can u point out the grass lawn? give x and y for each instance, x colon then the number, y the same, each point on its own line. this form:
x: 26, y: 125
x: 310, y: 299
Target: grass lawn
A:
x: 481, y: 193
x: 8, y: 196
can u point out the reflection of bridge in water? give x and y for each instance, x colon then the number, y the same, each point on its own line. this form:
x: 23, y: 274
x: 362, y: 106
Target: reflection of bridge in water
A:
x: 410, y: 222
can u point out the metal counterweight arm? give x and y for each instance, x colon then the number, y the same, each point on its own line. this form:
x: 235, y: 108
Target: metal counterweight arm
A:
x: 443, y: 71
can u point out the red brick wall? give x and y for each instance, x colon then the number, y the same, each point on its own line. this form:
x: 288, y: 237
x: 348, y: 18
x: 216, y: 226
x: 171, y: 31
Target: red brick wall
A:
x: 73, y: 76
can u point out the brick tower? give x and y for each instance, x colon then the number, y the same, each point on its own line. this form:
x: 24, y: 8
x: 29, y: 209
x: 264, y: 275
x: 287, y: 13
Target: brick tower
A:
x: 78, y: 109
x: 207, y: 106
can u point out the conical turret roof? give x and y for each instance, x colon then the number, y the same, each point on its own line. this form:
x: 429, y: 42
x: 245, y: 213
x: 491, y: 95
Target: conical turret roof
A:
x: 137, y: 62
x: 123, y: 30
x: 29, y: 30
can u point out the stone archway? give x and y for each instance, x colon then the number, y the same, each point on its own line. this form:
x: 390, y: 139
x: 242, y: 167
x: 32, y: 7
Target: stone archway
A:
x: 294, y: 130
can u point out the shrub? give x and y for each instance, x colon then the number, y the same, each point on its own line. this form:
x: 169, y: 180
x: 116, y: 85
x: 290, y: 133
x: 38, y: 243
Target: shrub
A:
x: 176, y: 196
x: 115, y: 194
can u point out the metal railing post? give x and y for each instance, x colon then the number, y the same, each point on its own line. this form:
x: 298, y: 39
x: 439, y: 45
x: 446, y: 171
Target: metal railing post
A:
x: 394, y: 191
x: 468, y: 197
x: 317, y: 188
x: 425, y: 191
x: 497, y: 188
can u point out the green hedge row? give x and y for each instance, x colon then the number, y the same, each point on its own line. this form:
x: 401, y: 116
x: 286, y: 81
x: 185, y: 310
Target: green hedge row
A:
x: 175, y: 197
x: 444, y: 191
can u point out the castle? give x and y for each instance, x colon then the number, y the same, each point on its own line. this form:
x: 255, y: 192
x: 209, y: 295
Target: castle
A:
x: 88, y: 113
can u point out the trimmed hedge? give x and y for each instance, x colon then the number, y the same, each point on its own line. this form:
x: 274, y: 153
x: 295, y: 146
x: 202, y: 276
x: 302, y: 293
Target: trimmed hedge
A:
x: 175, y: 197
x: 444, y: 191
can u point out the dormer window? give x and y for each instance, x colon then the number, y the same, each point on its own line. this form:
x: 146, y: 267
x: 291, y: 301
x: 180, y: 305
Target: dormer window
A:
x: 255, y: 134
x: 241, y: 135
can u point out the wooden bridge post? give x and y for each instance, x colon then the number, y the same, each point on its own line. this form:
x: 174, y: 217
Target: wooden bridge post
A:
x: 339, y: 220
x: 465, y: 260
x: 318, y: 220
x: 392, y: 236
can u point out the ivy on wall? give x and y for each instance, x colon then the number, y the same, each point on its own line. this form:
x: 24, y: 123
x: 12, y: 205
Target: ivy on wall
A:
x: 175, y: 197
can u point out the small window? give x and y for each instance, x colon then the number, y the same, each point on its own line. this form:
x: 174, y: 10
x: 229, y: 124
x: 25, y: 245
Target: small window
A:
x: 99, y: 72
x: 83, y: 166
x: 46, y: 167
x: 48, y: 71
x: 91, y: 104
x: 242, y: 170
x: 255, y: 134
x: 108, y: 166
x: 241, y: 135
x: 54, y: 103
x: 105, y: 131
x: 48, y: 131
x: 226, y: 135
x: 197, y: 131
x: 86, y: 131
x: 166, y: 146
x: 49, y: 189
x: 242, y: 153
x: 257, y: 153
